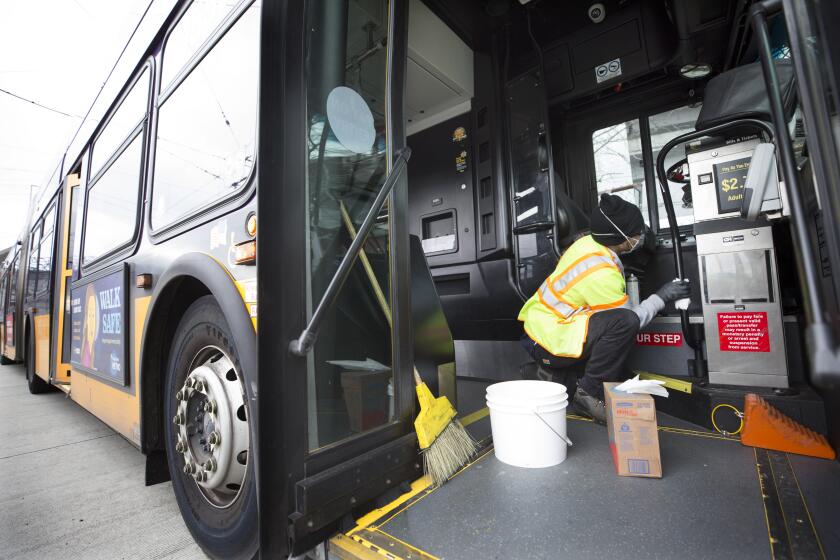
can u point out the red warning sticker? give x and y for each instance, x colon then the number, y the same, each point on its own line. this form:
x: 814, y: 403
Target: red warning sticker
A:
x: 659, y: 339
x: 743, y: 332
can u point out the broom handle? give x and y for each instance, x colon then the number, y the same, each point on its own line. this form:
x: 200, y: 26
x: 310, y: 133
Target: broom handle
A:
x: 374, y: 283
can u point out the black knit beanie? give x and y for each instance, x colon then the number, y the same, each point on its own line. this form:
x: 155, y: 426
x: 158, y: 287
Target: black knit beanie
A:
x: 624, y: 215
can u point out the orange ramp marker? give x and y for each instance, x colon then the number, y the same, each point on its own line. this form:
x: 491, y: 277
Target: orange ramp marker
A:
x: 766, y: 427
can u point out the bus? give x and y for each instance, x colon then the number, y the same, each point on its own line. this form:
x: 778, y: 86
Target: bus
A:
x: 275, y: 210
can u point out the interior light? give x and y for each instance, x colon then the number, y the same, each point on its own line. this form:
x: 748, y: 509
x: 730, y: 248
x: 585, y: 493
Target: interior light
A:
x: 695, y: 70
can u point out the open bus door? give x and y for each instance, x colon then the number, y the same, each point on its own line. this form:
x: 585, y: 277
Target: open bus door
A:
x: 335, y: 416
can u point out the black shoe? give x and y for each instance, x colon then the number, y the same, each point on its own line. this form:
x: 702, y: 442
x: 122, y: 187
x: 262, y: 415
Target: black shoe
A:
x: 590, y: 406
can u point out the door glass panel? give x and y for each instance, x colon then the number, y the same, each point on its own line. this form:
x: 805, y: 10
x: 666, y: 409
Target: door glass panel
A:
x: 619, y: 163
x: 349, y: 380
x: 531, y: 180
x: 664, y: 127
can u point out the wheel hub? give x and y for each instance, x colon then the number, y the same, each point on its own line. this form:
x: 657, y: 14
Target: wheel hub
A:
x: 211, y: 422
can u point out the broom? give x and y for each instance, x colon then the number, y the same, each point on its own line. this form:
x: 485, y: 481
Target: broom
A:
x: 444, y: 442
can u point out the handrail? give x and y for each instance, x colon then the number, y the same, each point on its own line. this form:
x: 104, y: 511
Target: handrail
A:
x: 824, y: 356
x: 304, y: 343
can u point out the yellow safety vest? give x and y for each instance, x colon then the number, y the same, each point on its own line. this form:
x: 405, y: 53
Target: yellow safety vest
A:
x: 588, y: 278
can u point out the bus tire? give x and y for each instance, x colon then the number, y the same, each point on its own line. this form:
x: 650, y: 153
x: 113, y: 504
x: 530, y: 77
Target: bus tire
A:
x: 213, y: 480
x: 36, y: 384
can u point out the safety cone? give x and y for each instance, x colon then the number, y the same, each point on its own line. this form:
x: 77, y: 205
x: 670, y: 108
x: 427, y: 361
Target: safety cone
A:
x: 766, y: 427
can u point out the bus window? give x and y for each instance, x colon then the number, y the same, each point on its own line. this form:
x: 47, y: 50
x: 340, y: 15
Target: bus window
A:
x: 32, y: 274
x: 75, y: 208
x: 112, y: 204
x: 45, y: 253
x: 13, y: 286
x: 664, y: 127
x: 619, y: 164
x: 128, y: 116
x: 191, y: 31
x: 206, y: 135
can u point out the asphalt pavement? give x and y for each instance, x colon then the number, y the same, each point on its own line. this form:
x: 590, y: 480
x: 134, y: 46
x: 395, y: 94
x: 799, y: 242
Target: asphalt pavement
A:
x: 70, y: 487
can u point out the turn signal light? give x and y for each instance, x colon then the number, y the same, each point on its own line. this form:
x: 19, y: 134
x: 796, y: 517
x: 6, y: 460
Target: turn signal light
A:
x: 251, y: 225
x: 245, y: 253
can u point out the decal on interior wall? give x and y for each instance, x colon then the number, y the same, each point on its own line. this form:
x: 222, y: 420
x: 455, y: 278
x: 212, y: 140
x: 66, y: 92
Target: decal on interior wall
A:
x: 461, y: 162
x: 608, y: 70
x: 459, y: 134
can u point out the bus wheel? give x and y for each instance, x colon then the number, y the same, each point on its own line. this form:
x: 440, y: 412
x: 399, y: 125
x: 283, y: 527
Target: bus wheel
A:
x: 208, y: 434
x: 36, y: 384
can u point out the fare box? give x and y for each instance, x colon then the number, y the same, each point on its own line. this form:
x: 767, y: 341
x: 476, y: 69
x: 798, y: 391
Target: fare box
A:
x: 634, y: 439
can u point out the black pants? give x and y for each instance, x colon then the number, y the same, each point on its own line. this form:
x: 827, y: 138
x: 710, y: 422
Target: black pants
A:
x: 609, y: 339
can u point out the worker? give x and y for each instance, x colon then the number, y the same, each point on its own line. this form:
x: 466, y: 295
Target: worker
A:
x: 581, y: 314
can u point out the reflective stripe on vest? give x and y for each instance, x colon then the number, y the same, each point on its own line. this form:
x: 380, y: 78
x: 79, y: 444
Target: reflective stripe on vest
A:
x: 553, y: 288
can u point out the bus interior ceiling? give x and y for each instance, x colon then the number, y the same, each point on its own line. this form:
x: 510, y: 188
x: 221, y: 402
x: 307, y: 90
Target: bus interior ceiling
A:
x: 492, y: 138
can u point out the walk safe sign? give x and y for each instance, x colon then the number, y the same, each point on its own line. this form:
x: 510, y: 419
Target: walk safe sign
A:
x: 98, y: 325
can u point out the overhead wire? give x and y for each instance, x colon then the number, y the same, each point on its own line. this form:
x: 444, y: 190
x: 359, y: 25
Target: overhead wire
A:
x: 42, y: 106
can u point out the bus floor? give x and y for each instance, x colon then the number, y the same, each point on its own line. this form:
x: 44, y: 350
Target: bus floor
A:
x: 70, y: 487
x: 717, y: 499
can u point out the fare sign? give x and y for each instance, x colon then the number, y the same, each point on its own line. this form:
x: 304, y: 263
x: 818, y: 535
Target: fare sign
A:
x: 743, y: 332
x: 659, y: 339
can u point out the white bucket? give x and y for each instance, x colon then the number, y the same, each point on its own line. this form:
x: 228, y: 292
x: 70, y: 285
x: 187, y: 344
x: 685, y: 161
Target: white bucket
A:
x: 528, y: 420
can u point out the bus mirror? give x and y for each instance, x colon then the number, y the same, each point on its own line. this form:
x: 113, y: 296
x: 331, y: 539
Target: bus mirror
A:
x: 759, y: 177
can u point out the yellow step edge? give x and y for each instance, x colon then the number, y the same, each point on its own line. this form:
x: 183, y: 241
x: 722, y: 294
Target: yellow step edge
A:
x: 670, y: 382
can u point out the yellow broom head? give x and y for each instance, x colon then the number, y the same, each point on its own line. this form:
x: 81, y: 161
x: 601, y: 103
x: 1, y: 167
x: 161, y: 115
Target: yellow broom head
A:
x: 435, y: 415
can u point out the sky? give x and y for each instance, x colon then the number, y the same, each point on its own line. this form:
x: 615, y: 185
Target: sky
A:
x: 56, y: 53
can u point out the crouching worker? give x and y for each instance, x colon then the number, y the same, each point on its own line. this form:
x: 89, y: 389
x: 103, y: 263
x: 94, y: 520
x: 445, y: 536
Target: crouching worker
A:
x: 581, y: 312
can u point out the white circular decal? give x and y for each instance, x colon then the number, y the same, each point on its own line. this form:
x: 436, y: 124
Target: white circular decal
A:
x: 350, y: 119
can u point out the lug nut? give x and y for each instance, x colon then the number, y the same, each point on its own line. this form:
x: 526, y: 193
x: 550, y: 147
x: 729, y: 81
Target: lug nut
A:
x: 189, y: 382
x: 210, y: 406
x: 199, y: 386
x: 179, y: 396
x: 178, y: 419
x: 210, y: 465
x: 179, y: 447
x: 200, y: 476
x: 215, y: 438
x: 189, y: 468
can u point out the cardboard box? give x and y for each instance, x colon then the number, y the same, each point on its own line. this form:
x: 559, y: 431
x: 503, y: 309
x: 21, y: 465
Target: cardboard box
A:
x: 634, y: 439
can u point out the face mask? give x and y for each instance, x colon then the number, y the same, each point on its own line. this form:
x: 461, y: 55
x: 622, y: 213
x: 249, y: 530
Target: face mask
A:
x: 634, y: 244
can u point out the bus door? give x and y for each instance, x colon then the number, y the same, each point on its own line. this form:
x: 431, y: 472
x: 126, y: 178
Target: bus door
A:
x: 335, y: 420
x: 63, y: 273
x: 532, y: 180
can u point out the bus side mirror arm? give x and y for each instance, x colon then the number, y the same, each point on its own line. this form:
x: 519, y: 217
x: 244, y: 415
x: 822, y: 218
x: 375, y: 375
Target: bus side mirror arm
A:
x: 304, y: 343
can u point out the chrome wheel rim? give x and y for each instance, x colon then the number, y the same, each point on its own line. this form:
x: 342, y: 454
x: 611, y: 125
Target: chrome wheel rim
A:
x: 212, y: 433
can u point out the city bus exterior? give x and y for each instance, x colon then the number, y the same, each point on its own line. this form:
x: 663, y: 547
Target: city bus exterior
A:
x: 141, y: 270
